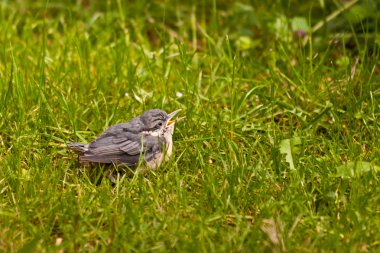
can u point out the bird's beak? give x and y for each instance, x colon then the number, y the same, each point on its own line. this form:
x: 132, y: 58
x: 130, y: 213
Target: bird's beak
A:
x: 170, y: 116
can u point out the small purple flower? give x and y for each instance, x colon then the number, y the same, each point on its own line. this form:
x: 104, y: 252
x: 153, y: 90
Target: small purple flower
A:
x: 300, y: 33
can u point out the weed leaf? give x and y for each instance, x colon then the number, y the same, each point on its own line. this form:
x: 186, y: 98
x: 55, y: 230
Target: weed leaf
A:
x: 352, y: 169
x: 288, y: 147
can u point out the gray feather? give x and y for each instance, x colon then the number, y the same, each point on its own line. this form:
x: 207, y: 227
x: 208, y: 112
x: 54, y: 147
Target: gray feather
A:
x: 108, y: 159
x: 80, y: 147
x: 131, y: 147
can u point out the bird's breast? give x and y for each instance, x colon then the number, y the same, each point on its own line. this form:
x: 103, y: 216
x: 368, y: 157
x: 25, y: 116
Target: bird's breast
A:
x: 169, y: 149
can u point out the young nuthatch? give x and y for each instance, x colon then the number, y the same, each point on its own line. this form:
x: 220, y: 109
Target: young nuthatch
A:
x: 148, y: 136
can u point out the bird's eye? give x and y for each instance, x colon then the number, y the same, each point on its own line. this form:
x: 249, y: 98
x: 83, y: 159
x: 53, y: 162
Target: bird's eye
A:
x: 159, y: 124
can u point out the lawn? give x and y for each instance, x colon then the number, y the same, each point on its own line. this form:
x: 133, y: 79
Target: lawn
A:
x: 279, y: 150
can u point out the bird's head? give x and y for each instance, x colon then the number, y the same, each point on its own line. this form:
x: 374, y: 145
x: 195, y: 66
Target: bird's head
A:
x: 156, y: 120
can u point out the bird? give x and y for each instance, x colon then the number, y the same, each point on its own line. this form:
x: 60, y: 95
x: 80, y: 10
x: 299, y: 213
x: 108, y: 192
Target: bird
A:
x: 148, y: 136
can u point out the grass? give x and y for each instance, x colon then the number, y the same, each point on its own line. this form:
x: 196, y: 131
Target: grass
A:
x: 279, y: 150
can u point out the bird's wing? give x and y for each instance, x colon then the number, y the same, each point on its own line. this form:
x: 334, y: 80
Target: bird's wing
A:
x: 120, y: 146
x: 133, y: 126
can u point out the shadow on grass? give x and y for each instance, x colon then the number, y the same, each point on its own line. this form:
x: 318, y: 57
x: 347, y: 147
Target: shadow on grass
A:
x: 95, y: 173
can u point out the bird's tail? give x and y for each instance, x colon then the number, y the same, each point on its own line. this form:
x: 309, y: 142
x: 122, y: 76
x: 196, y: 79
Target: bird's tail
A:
x: 80, y: 147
